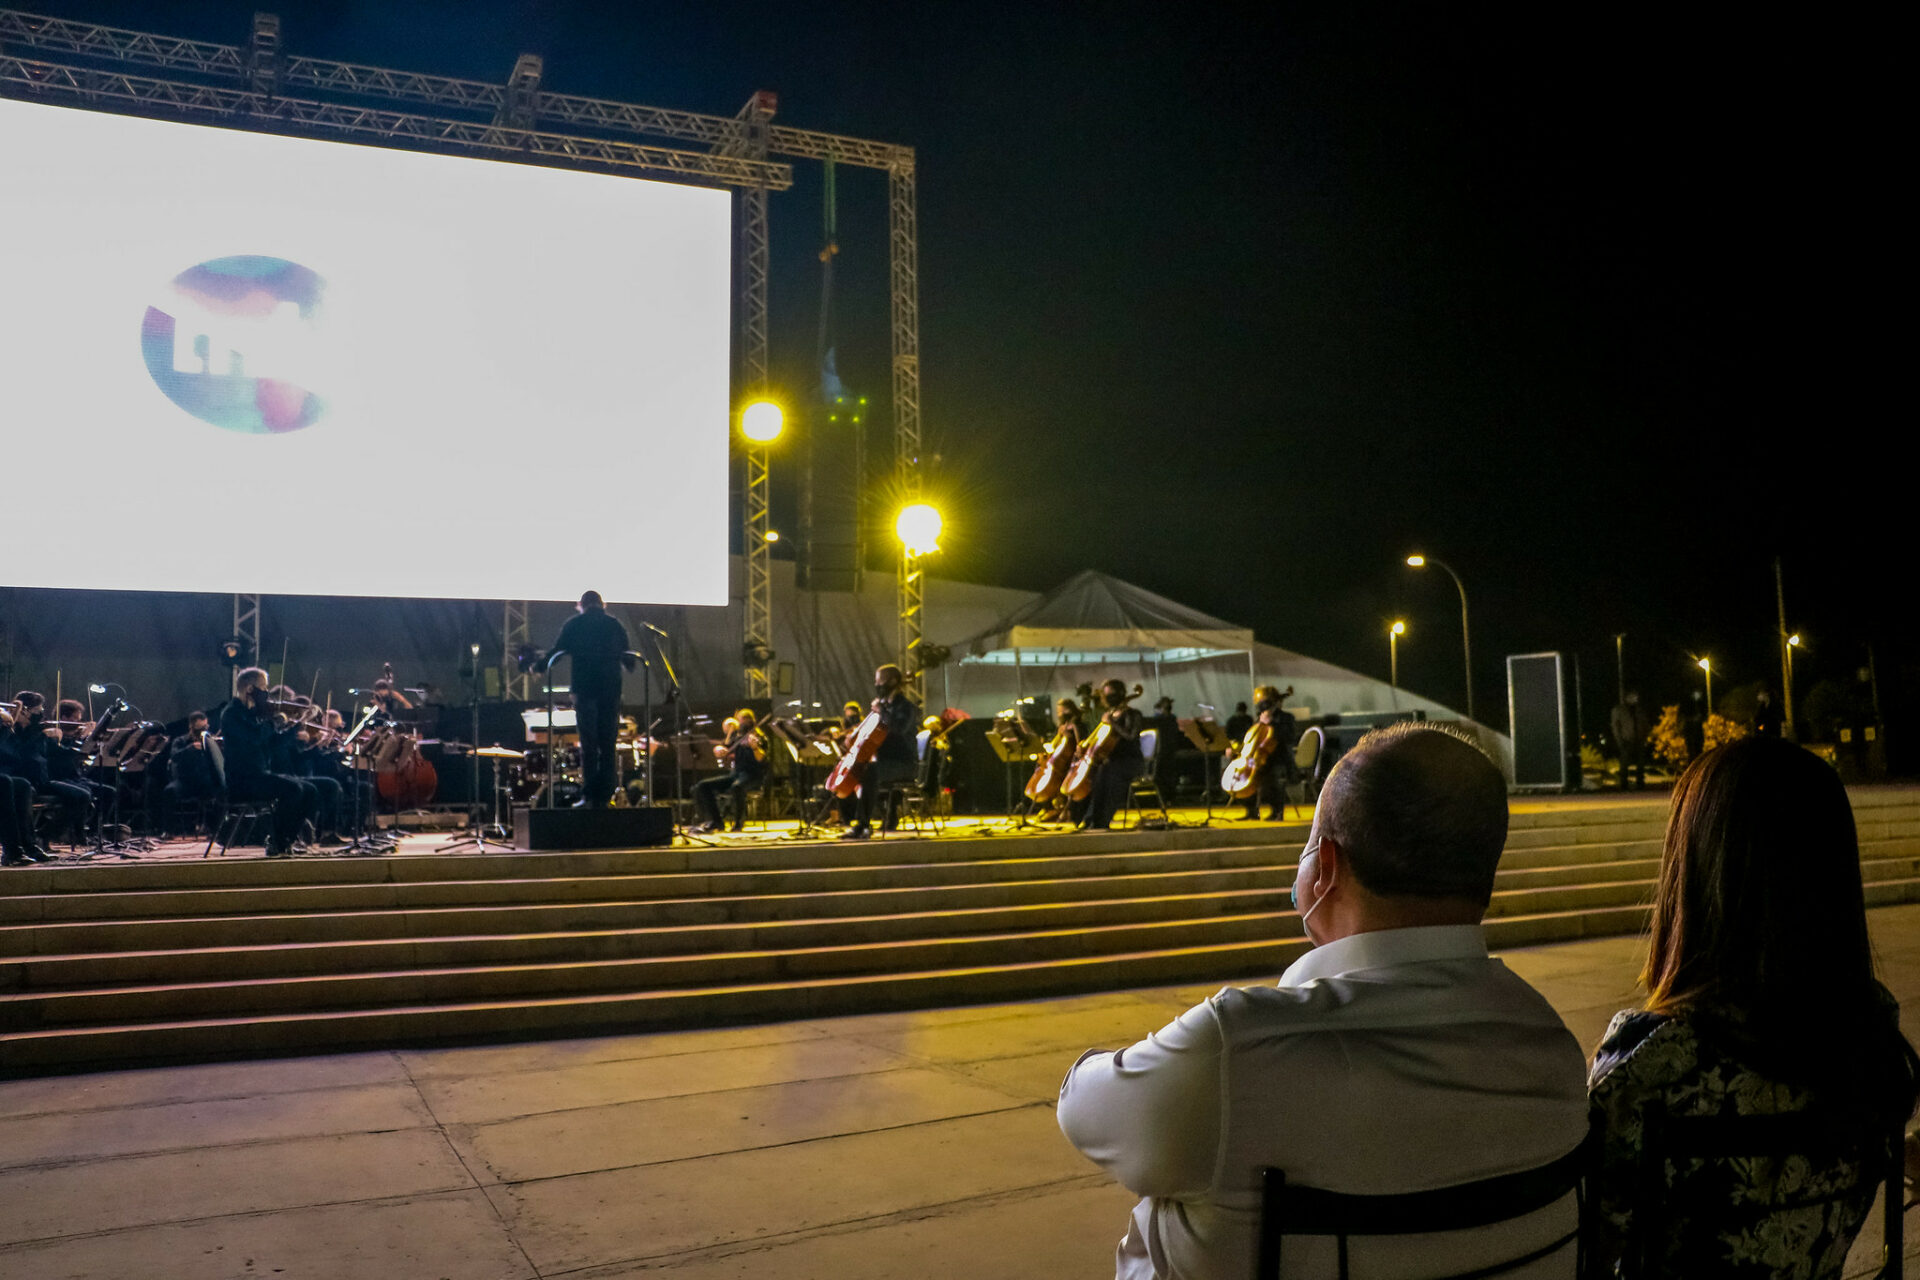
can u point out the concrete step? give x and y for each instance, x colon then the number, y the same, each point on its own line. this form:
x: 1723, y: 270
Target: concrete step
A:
x: 273, y: 996
x: 428, y: 894
x: 62, y: 972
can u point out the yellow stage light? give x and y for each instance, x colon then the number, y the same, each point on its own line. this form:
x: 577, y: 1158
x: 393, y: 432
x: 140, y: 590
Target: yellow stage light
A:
x: 773, y: 535
x: 761, y: 421
x: 919, y: 529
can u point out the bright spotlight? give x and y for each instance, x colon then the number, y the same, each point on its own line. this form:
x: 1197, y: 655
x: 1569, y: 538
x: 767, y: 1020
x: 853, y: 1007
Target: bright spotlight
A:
x: 773, y: 535
x: 761, y: 421
x: 919, y: 528
x: 1794, y: 639
x: 1416, y: 562
x: 1399, y: 628
x: 1705, y: 665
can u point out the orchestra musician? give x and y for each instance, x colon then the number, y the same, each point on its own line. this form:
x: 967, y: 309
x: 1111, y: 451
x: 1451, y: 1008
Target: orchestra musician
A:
x: 896, y: 760
x: 294, y: 756
x: 745, y: 755
x: 67, y: 758
x: 1270, y: 781
x: 597, y: 645
x: 390, y: 698
x: 328, y: 759
x: 18, y: 845
x: 190, y: 773
x: 31, y: 744
x: 247, y: 737
x: 850, y: 717
x: 1124, y: 762
x: 1070, y: 731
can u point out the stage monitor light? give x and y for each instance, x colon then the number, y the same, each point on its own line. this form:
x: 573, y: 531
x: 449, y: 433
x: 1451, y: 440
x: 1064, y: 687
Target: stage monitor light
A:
x: 216, y: 320
x: 762, y: 422
x: 918, y: 527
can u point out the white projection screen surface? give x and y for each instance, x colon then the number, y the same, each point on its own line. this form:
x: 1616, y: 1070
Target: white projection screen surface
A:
x: 234, y: 362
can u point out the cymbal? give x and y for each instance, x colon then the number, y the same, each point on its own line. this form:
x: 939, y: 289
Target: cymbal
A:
x: 501, y: 753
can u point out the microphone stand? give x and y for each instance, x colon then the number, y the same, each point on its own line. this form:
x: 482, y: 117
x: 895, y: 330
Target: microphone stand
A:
x: 476, y: 831
x: 646, y: 719
x: 673, y: 696
x: 546, y: 679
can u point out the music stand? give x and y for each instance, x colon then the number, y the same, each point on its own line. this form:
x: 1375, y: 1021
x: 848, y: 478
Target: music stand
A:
x: 1015, y: 742
x: 1205, y: 733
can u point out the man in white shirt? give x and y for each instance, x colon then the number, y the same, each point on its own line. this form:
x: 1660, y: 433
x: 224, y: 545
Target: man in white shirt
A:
x: 1397, y: 1056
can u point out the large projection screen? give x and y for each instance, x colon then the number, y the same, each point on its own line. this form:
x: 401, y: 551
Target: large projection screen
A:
x: 236, y: 362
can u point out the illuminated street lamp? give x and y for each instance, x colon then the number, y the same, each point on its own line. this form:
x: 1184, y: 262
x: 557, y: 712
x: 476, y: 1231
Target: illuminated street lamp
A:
x: 1466, y: 638
x: 1793, y: 642
x: 1707, y: 666
x: 1394, y: 633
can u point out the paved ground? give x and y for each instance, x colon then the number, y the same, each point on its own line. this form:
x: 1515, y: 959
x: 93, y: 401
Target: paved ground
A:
x: 888, y: 1145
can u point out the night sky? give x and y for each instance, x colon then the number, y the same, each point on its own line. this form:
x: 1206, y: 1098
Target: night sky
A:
x: 1244, y: 309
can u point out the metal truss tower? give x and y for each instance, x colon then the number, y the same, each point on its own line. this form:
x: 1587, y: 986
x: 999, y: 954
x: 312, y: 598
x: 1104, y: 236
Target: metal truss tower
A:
x: 246, y: 629
x: 515, y: 684
x: 250, y: 86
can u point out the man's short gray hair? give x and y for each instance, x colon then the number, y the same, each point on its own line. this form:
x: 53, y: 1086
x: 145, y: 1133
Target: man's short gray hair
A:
x: 1420, y: 811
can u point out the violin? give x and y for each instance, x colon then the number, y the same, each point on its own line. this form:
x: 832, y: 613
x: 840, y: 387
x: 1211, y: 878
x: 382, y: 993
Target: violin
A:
x: 859, y: 753
x: 1094, y: 752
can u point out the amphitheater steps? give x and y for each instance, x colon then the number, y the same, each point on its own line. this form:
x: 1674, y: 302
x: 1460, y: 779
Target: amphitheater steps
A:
x: 106, y: 965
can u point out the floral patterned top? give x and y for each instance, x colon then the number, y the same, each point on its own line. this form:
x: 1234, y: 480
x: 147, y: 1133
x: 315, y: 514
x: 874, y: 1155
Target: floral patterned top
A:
x: 1665, y: 1061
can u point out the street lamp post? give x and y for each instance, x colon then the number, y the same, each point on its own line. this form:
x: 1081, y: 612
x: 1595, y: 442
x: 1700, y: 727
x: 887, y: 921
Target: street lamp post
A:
x: 1793, y: 642
x: 1466, y: 636
x: 1707, y: 666
x: 1394, y: 633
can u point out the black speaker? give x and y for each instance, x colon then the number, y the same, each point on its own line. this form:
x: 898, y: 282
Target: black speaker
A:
x: 1537, y: 711
x: 642, y: 827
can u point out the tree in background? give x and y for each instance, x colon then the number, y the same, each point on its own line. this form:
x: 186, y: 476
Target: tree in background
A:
x: 1669, y: 744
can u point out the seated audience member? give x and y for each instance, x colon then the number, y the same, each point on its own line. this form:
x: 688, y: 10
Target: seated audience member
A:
x: 1395, y: 1056
x: 1760, y: 999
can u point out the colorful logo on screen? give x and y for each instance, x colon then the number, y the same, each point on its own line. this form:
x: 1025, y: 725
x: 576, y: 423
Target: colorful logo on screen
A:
x: 235, y: 343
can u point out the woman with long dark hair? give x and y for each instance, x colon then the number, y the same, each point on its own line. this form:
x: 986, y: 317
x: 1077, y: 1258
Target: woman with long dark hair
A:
x: 1761, y: 999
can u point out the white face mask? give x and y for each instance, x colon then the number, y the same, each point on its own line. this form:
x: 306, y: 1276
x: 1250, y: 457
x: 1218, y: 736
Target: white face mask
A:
x: 1293, y: 893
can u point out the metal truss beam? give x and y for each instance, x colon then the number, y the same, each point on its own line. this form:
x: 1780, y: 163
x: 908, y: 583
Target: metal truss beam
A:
x: 35, y: 31
x: 755, y: 267
x: 515, y: 684
x: 57, y: 80
x: 913, y: 598
x: 246, y: 629
x: 903, y: 257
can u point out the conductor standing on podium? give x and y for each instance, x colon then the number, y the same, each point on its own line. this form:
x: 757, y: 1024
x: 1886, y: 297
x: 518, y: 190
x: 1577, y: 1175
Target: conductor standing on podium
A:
x: 597, y: 645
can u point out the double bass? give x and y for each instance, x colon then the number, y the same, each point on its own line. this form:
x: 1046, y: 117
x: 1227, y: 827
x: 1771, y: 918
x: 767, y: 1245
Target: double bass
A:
x: 859, y: 753
x: 1093, y: 753
x: 1242, y: 773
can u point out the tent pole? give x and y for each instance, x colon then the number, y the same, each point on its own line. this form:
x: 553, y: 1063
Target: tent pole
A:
x: 1253, y: 677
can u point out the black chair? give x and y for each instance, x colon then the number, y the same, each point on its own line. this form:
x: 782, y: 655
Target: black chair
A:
x: 918, y: 797
x: 1146, y: 787
x: 1291, y: 1210
x: 226, y: 829
x: 1817, y: 1136
x: 1306, y: 764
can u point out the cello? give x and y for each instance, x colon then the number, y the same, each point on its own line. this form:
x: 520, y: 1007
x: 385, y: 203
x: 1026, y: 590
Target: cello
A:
x: 1242, y: 773
x: 1051, y: 772
x: 853, y: 762
x: 1093, y: 753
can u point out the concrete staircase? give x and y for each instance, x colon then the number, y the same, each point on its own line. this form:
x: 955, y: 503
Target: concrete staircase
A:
x: 144, y: 962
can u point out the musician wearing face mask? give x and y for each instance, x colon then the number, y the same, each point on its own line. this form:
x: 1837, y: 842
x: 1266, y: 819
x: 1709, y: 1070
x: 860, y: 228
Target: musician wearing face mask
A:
x: 247, y: 739
x: 745, y: 755
x: 189, y: 772
x: 1270, y: 780
x: 31, y: 745
x: 1124, y: 761
x: 18, y: 846
x: 897, y: 758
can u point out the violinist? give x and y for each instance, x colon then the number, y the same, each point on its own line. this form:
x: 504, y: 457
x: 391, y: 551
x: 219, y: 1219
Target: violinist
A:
x: 1124, y: 762
x: 31, y: 744
x: 896, y: 760
x: 1270, y: 780
x: 298, y: 756
x: 18, y: 846
x: 745, y: 755
x: 247, y: 737
x: 189, y: 772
